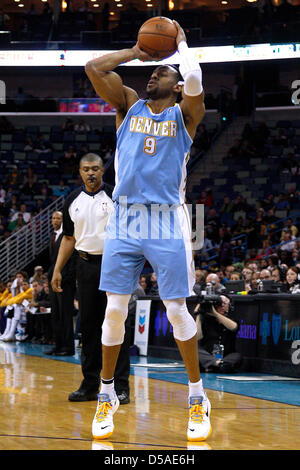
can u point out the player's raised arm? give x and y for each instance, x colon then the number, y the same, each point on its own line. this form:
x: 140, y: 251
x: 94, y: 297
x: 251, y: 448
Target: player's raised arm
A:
x: 192, y: 104
x: 109, y: 84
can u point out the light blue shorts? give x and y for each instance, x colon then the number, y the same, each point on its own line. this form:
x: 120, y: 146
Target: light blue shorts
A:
x: 162, y: 236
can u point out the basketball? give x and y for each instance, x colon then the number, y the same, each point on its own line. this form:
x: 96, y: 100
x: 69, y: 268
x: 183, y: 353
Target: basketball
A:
x: 157, y: 37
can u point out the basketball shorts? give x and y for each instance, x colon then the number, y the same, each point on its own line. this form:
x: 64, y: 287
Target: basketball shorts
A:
x: 160, y: 234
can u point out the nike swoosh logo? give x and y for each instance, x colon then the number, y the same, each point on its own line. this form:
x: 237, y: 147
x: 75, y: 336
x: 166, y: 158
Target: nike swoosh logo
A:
x: 104, y: 427
x: 191, y: 429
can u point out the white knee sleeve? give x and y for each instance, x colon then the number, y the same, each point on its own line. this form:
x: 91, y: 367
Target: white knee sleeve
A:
x: 184, y: 326
x: 113, y: 328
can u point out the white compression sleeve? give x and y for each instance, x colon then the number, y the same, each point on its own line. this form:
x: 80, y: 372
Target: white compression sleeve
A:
x: 190, y: 70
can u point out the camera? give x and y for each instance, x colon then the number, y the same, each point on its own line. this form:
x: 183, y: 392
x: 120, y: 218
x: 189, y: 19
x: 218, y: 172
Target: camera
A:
x: 207, y: 302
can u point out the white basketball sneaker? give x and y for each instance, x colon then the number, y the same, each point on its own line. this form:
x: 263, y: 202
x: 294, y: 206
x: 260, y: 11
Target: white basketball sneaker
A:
x: 199, y: 427
x: 103, y: 425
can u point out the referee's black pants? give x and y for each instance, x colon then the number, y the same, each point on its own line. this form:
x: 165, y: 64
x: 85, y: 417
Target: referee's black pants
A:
x: 92, y: 305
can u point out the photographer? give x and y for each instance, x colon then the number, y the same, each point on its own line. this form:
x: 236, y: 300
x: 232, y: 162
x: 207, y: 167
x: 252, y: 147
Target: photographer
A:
x: 217, y: 329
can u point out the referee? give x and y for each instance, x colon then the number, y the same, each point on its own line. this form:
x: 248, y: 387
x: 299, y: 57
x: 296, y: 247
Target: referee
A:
x: 85, y: 216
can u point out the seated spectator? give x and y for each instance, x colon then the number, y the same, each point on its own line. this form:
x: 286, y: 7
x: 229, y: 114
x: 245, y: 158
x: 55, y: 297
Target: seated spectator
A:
x: 143, y: 282
x: 82, y: 126
x: 228, y: 270
x: 17, y: 224
x: 32, y: 309
x: 30, y: 187
x: 235, y: 276
x: 288, y: 241
x: 153, y: 285
x: 278, y: 275
x: 247, y: 275
x: 227, y: 206
x: 29, y: 146
x: 13, y: 179
x: 216, y: 330
x: 19, y: 315
x: 266, y: 249
x: 62, y: 189
x: 254, y: 281
x: 68, y: 125
x: 206, y: 198
x: 265, y: 275
x: 214, y: 279
x: 282, y: 203
x: 289, y: 225
x: 238, y: 228
x: 200, y: 282
x: 38, y: 275
x: 25, y: 214
x: 68, y: 163
x: 268, y: 202
x: 292, y: 280
x: 240, y: 204
x: 41, y: 145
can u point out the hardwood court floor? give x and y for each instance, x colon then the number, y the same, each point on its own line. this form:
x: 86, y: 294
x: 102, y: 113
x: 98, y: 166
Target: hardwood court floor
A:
x: 36, y: 415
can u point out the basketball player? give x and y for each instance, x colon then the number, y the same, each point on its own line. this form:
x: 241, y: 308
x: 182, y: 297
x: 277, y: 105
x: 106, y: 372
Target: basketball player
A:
x: 153, y: 143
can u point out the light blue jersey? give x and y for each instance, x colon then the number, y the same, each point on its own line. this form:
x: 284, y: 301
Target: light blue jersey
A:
x: 150, y: 163
x: 151, y: 155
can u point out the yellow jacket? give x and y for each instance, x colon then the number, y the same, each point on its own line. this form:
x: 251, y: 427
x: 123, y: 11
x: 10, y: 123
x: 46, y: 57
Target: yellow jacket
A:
x: 5, y: 297
x: 18, y: 299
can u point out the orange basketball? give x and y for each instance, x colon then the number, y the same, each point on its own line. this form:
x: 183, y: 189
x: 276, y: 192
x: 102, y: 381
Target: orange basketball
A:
x: 157, y: 37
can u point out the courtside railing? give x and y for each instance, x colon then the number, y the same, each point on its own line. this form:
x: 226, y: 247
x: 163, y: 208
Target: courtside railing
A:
x: 26, y: 244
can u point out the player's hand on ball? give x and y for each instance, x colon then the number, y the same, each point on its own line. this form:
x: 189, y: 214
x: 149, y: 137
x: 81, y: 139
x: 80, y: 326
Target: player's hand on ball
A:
x: 181, y: 34
x: 141, y: 55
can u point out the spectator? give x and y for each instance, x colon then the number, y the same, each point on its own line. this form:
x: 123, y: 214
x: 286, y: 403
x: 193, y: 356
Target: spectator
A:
x: 68, y: 163
x: 41, y: 145
x: 25, y: 214
x: 68, y: 125
x: 265, y: 275
x: 143, y: 282
x: 200, y: 282
x: 17, y: 224
x: 235, y: 276
x: 38, y: 274
x: 227, y: 206
x: 289, y: 225
x: 282, y: 203
x: 247, y: 276
x: 62, y: 189
x: 82, y: 126
x: 228, y: 271
x: 153, y: 285
x: 292, y: 280
x: 288, y: 241
x: 206, y: 199
x: 214, y: 279
x: 268, y: 202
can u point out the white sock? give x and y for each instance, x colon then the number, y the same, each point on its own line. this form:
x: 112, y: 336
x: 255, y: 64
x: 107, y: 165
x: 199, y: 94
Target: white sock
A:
x: 108, y: 387
x: 196, y: 389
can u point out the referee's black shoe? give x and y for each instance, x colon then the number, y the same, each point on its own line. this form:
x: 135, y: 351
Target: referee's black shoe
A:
x: 123, y: 397
x: 83, y: 395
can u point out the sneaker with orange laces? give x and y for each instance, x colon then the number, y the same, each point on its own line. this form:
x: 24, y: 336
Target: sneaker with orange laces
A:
x: 199, y: 427
x: 103, y: 425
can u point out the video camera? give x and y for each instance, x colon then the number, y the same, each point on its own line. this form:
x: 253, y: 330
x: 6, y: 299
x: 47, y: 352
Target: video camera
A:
x: 207, y: 302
